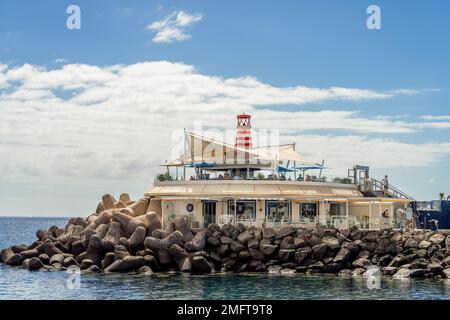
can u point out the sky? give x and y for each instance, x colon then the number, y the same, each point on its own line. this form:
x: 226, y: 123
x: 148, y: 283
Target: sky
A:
x: 89, y: 111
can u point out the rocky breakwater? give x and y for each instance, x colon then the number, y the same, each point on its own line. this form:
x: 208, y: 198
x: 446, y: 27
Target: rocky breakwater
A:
x: 126, y: 236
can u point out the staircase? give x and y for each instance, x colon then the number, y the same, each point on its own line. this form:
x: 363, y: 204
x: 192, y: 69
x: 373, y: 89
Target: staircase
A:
x: 375, y: 188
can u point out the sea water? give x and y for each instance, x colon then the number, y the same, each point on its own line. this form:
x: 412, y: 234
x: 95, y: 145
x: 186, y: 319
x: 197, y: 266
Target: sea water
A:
x: 17, y: 283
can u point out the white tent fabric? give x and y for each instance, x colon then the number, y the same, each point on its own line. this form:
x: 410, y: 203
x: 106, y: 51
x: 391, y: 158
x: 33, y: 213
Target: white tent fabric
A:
x: 201, y: 149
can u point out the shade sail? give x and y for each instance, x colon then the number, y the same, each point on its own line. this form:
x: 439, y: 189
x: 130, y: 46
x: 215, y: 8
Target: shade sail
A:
x: 201, y: 149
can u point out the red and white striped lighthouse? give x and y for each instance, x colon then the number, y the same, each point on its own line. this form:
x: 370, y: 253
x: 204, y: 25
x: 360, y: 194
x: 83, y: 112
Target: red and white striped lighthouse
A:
x: 243, y: 132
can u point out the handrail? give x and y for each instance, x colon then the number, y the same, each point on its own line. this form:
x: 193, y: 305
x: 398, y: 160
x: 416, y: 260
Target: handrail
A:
x: 391, y: 190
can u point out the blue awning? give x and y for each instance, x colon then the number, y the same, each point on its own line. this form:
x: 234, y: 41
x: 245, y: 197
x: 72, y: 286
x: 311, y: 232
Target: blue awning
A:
x: 284, y: 169
x: 202, y: 165
x: 310, y: 167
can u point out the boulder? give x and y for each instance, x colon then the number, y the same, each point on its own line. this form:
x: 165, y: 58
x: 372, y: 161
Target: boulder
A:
x: 150, y: 261
x: 44, y: 258
x: 418, y: 273
x: 128, y: 263
x: 341, y: 238
x: 388, y: 271
x: 50, y: 249
x: 94, y: 245
x: 286, y: 255
x: 137, y: 239
x: 275, y: 269
x: 268, y: 233
x: 284, y: 232
x: 424, y: 244
x: 245, y: 237
x: 419, y: 264
x: 345, y: 273
x: 77, y: 221
x: 358, y: 272
x: 364, y: 254
x: 35, y: 264
x: 139, y: 208
x: 102, y: 230
x: 200, y: 264
x: 198, y: 242
x: 342, y: 256
x: 108, y: 201
x: 437, y: 239
x: 177, y: 252
x: 322, y: 251
x: 223, y: 250
x: 332, y: 267
x: 69, y: 261
x: 27, y: 254
x: 256, y: 254
x: 397, y: 261
x: 435, y: 268
x: 402, y: 273
x: 152, y: 243
x: 213, y: 241
x: 446, y: 273
x: 175, y: 237
x: 314, y: 240
x: 236, y: 246
x: 19, y: 248
x: 146, y: 271
x: 411, y: 243
x: 14, y: 260
x: 129, y: 224
x: 268, y: 249
x: 107, y: 260
x: 225, y: 240
x: 112, y: 237
x: 85, y: 264
x: 164, y: 257
x: 317, y: 266
x: 361, y: 263
x: 93, y: 269
x: 244, y: 255
x: 184, y: 264
x: 181, y: 226
x: 25, y: 263
x: 57, y: 258
x: 301, y: 254
x: 78, y: 247
x: 447, y: 242
x: 152, y: 222
x: 125, y: 198
x: 102, y: 218
x: 331, y: 242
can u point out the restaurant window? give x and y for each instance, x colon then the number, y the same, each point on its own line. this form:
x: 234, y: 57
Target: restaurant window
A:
x: 336, y: 209
x: 308, y: 210
x: 278, y: 210
x: 245, y: 209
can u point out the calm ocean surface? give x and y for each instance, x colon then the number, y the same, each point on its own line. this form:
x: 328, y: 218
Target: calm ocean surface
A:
x: 16, y: 283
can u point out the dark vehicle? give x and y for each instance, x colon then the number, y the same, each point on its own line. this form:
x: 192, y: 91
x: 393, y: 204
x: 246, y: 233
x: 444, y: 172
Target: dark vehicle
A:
x: 432, y: 215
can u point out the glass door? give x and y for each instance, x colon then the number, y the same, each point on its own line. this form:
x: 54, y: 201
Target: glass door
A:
x: 209, y: 213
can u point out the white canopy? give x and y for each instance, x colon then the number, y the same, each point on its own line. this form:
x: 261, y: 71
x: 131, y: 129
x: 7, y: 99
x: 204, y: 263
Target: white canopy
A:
x: 200, y: 149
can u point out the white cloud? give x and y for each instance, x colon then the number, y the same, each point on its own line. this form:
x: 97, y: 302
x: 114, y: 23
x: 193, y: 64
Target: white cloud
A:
x: 173, y: 27
x: 84, y: 124
x: 61, y: 60
x: 430, y: 117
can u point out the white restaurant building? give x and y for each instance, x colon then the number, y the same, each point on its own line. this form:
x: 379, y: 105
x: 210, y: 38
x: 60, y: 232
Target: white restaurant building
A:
x: 228, y: 187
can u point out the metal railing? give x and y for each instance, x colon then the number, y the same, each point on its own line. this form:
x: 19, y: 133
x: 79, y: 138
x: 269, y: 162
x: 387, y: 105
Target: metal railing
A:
x: 163, y: 177
x: 373, y: 187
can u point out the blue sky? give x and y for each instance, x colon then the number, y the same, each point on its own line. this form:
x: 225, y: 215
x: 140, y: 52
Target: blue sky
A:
x: 282, y: 44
